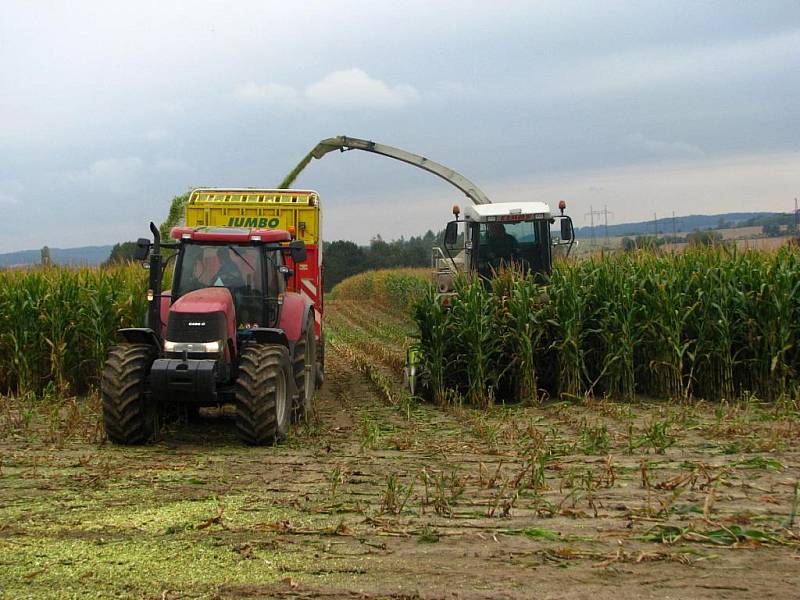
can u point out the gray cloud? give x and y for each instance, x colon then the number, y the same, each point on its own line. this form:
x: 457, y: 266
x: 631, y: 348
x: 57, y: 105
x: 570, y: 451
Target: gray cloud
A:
x: 156, y: 135
x: 654, y: 67
x: 270, y: 93
x: 109, y: 171
x: 660, y: 148
x: 349, y: 89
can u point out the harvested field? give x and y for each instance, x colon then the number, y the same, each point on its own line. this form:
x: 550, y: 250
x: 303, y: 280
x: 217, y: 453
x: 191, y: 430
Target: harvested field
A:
x: 381, y: 497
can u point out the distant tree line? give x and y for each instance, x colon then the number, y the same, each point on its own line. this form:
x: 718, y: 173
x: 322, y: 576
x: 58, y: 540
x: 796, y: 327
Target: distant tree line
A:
x: 122, y: 252
x: 773, y: 221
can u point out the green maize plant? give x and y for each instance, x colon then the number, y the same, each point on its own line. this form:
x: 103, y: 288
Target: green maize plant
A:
x: 22, y: 359
x: 403, y: 286
x: 668, y: 308
x: 569, y: 293
x: 617, y: 326
x: 780, y: 322
x: 394, y: 288
x: 478, y: 353
x: 60, y: 311
x: 714, y: 323
x: 711, y: 356
x: 433, y: 323
x: 114, y: 300
x: 521, y: 303
x: 56, y: 324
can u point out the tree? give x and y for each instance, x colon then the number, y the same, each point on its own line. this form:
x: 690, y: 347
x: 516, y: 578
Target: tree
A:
x: 121, y: 253
x: 342, y: 259
x: 704, y: 238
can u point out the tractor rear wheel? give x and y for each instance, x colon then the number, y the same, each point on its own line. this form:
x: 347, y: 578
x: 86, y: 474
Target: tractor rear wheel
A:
x: 263, y: 403
x: 127, y: 416
x: 304, y: 366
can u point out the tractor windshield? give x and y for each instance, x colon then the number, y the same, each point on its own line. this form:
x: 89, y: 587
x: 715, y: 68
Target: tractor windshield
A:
x: 233, y: 266
x: 525, y: 243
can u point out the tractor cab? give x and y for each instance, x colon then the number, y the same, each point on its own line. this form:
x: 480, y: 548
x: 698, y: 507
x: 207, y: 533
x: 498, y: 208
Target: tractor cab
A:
x: 492, y: 236
x: 248, y: 264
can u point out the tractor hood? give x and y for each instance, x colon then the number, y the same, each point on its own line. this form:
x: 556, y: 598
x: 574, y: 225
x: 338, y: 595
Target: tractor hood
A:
x: 205, y: 315
x: 206, y: 300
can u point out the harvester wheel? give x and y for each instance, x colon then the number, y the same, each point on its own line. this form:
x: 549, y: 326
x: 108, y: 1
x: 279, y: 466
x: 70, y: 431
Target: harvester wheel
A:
x: 128, y: 418
x: 304, y: 366
x: 263, y: 401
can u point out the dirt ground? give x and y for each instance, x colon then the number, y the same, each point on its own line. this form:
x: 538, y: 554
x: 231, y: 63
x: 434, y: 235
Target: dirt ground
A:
x: 382, y: 497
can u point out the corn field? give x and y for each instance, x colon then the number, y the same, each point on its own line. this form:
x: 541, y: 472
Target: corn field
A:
x: 394, y: 288
x: 56, y: 324
x: 711, y: 323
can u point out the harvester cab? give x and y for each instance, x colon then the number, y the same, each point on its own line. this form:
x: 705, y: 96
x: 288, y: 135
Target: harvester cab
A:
x: 490, y: 236
x: 235, y: 328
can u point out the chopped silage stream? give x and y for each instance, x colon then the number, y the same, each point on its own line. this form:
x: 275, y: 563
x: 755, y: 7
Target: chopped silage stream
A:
x: 379, y: 496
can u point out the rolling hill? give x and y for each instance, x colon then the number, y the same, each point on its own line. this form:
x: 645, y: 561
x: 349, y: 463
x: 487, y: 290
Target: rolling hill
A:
x: 85, y: 255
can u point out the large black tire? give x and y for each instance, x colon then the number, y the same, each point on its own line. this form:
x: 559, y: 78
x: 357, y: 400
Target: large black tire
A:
x: 304, y: 366
x: 263, y: 394
x: 127, y: 417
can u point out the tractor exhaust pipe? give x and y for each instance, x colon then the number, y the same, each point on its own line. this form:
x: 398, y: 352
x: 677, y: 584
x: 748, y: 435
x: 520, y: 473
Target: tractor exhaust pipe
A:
x: 154, y: 308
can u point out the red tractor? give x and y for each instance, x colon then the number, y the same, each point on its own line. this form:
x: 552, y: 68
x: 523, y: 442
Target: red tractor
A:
x: 228, y: 332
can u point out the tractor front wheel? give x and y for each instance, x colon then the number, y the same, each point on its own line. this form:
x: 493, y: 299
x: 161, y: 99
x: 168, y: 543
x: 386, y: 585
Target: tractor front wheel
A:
x: 263, y: 403
x: 127, y: 416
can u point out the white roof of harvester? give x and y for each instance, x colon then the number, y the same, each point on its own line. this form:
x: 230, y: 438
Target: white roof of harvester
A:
x: 479, y: 212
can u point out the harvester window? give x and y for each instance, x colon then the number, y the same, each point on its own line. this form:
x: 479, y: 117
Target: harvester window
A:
x: 523, y: 232
x: 503, y: 243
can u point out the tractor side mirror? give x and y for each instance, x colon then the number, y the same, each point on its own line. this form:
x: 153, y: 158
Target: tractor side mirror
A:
x: 451, y: 233
x: 298, y: 251
x: 142, y: 249
x: 567, y: 232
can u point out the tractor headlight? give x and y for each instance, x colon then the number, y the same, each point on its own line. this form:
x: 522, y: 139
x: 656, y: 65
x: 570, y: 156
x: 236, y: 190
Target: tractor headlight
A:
x: 205, y: 347
x: 213, y: 346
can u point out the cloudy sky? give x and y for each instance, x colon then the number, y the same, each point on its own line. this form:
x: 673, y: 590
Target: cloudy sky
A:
x: 108, y: 109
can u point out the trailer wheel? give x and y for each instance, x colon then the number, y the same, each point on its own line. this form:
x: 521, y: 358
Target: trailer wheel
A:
x: 263, y: 403
x: 127, y: 417
x: 304, y: 366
